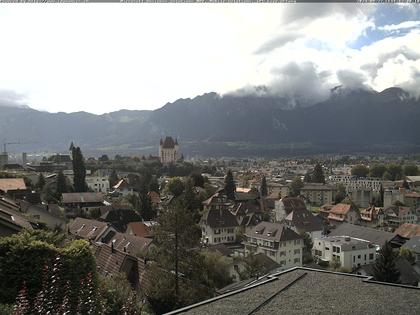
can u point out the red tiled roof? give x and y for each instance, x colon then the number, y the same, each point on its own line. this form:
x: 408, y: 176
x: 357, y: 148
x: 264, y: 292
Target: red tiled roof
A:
x: 139, y: 229
x: 408, y: 230
x: 87, y: 229
x: 340, y: 208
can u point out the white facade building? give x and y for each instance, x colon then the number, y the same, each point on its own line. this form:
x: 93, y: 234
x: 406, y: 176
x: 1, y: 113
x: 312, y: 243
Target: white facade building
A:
x: 351, y: 252
x: 354, y: 183
x: 277, y: 242
x: 98, y: 184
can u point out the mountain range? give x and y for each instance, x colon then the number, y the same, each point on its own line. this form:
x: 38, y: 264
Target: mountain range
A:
x: 350, y: 120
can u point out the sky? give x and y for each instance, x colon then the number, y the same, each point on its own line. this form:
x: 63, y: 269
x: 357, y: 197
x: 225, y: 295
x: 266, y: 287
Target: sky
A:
x: 105, y: 57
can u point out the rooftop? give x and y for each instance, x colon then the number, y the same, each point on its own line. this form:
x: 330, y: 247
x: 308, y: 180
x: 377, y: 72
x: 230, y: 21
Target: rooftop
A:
x: 12, y: 184
x: 374, y: 236
x: 347, y: 242
x: 309, y: 291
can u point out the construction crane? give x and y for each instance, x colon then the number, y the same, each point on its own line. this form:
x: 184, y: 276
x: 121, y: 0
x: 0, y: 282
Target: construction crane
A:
x: 5, y: 144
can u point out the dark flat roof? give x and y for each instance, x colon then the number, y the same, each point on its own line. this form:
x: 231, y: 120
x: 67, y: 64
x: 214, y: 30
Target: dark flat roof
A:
x: 308, y: 291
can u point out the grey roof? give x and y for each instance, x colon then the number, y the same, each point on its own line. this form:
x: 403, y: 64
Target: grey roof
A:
x: 374, y: 236
x: 348, y: 243
x: 413, y: 244
x: 407, y: 273
x: 305, y: 220
x: 273, y: 232
x: 219, y: 218
x: 83, y: 197
x: 309, y: 291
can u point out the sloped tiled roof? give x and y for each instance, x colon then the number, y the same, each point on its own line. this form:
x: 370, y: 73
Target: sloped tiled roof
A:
x: 168, y: 143
x: 304, y: 219
x: 340, y: 208
x: 408, y: 230
x: 273, y: 232
x: 82, y: 197
x: 219, y: 218
x: 139, y: 229
x: 87, y: 229
x: 129, y: 243
x: 292, y: 203
x: 7, y: 184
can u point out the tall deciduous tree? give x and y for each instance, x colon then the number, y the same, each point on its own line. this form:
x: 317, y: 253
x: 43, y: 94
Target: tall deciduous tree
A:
x: 384, y: 268
x: 263, y: 188
x: 377, y: 170
x: 318, y: 174
x: 113, y: 178
x: 411, y: 170
x: 79, y: 170
x: 360, y: 170
x: 230, y: 186
x: 295, y: 186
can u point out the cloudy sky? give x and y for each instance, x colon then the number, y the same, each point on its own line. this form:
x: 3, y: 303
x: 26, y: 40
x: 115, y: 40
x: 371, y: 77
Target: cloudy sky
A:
x: 104, y: 57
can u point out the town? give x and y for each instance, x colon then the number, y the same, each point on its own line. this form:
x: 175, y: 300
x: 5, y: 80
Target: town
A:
x: 169, y: 233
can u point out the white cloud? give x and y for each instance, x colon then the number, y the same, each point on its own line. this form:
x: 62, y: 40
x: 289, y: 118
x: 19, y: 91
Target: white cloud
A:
x: 400, y: 26
x: 103, y: 57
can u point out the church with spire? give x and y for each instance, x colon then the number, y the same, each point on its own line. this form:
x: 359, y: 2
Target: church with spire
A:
x: 168, y: 150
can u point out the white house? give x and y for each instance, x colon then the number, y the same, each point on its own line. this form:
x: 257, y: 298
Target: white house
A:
x: 276, y: 241
x: 218, y: 226
x: 351, y: 252
x: 98, y: 183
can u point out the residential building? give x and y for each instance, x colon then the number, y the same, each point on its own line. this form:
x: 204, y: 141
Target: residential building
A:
x: 98, y: 183
x: 86, y: 201
x: 120, y: 217
x: 362, y: 197
x: 372, y: 216
x: 412, y: 199
x: 303, y: 221
x: 353, y: 182
x: 308, y: 291
x: 375, y: 236
x: 12, y: 223
x: 414, y: 246
x: 391, y: 196
x: 276, y: 241
x: 88, y: 229
x: 8, y: 185
x: 351, y: 252
x: 318, y: 194
x: 285, y: 205
x: 168, y: 150
x: 394, y: 216
x: 123, y: 188
x: 342, y: 212
x: 218, y: 225
x: 143, y: 229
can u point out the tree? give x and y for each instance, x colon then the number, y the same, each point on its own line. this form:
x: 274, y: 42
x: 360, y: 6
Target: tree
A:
x: 103, y: 158
x: 340, y: 194
x: 307, y: 249
x: 41, y: 182
x: 190, y: 200
x: 295, y: 186
x: 175, y: 186
x: 385, y: 269
x: 154, y: 184
x: 230, y: 186
x: 318, y: 174
x: 407, y: 254
x: 79, y: 170
x: 377, y: 170
x: 308, y: 177
x: 411, y: 170
x: 395, y: 171
x: 113, y: 178
x: 335, y: 263
x: 61, y: 185
x: 263, y: 188
x: 178, y: 272
x: 198, y: 180
x: 360, y: 170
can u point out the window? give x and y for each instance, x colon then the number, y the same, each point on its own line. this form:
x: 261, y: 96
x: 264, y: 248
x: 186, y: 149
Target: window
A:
x: 371, y: 256
x: 354, y: 258
x: 365, y: 256
x: 297, y: 260
x: 282, y: 262
x: 217, y: 231
x: 283, y: 253
x: 327, y: 248
x: 297, y: 251
x: 358, y: 256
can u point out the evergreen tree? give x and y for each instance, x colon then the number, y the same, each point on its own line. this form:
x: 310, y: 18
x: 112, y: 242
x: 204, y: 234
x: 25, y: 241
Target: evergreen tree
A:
x: 79, y: 170
x: 230, y: 186
x: 307, y: 178
x: 154, y: 185
x: 384, y: 268
x: 113, y: 178
x: 318, y: 174
x: 61, y: 185
x: 191, y: 202
x: 41, y: 182
x: 295, y: 186
x: 340, y: 194
x: 263, y: 188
